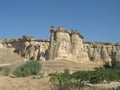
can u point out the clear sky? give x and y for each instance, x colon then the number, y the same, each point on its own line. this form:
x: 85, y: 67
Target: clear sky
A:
x: 97, y: 20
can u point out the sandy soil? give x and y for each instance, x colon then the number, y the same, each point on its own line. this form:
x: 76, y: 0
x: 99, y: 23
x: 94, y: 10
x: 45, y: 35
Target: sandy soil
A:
x: 8, y: 83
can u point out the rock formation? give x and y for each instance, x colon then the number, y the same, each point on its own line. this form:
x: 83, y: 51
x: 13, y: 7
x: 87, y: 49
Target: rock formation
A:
x: 28, y: 47
x: 67, y: 45
x: 64, y: 44
x: 104, y: 52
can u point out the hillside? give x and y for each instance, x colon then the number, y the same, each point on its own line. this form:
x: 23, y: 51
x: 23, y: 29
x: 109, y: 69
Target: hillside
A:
x: 8, y: 57
x: 61, y: 64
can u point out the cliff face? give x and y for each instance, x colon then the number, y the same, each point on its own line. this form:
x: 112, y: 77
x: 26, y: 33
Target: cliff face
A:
x: 27, y: 47
x: 64, y: 44
x: 105, y: 52
x: 67, y: 45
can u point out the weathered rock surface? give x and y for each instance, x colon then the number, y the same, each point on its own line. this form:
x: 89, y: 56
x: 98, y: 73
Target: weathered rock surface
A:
x: 64, y: 44
x: 67, y: 45
x: 105, y: 52
x: 28, y: 47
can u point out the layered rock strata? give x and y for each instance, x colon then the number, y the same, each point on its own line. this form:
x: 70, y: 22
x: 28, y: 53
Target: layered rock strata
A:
x: 105, y: 52
x: 66, y: 44
x: 63, y: 44
x: 28, y: 47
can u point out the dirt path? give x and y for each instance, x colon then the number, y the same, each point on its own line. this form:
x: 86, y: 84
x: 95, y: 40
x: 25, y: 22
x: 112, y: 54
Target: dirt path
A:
x: 105, y: 86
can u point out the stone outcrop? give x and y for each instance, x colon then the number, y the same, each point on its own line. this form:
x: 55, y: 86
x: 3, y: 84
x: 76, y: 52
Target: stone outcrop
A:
x: 28, y: 47
x: 103, y: 52
x: 64, y: 44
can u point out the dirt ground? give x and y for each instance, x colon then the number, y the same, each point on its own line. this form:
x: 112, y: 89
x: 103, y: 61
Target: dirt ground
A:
x: 28, y: 83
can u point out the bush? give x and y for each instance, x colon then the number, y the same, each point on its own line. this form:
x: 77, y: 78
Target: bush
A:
x: 116, y: 65
x: 27, y: 69
x: 6, y: 71
x: 95, y: 79
x: 65, y: 81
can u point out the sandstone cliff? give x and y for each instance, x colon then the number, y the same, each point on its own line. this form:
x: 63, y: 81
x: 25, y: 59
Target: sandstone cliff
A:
x: 27, y: 47
x: 64, y: 44
x: 105, y: 52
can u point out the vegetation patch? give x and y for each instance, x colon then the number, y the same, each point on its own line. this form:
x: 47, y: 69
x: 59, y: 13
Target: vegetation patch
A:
x: 28, y: 68
x: 5, y: 70
x: 79, y: 79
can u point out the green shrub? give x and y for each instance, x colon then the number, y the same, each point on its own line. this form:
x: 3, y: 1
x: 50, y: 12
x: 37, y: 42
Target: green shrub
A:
x: 77, y: 80
x: 27, y: 69
x: 116, y: 65
x: 65, y: 81
x: 6, y: 71
x: 95, y: 79
x: 18, y: 71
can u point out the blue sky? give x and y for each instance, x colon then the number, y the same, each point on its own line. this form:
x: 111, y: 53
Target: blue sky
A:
x: 97, y: 20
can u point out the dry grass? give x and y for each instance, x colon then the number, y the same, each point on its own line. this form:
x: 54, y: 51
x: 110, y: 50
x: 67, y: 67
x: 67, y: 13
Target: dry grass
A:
x: 60, y: 65
x: 7, y: 83
x: 7, y: 57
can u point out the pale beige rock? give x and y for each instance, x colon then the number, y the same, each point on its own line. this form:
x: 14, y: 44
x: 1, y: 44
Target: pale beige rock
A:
x: 67, y: 45
x: 64, y: 44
